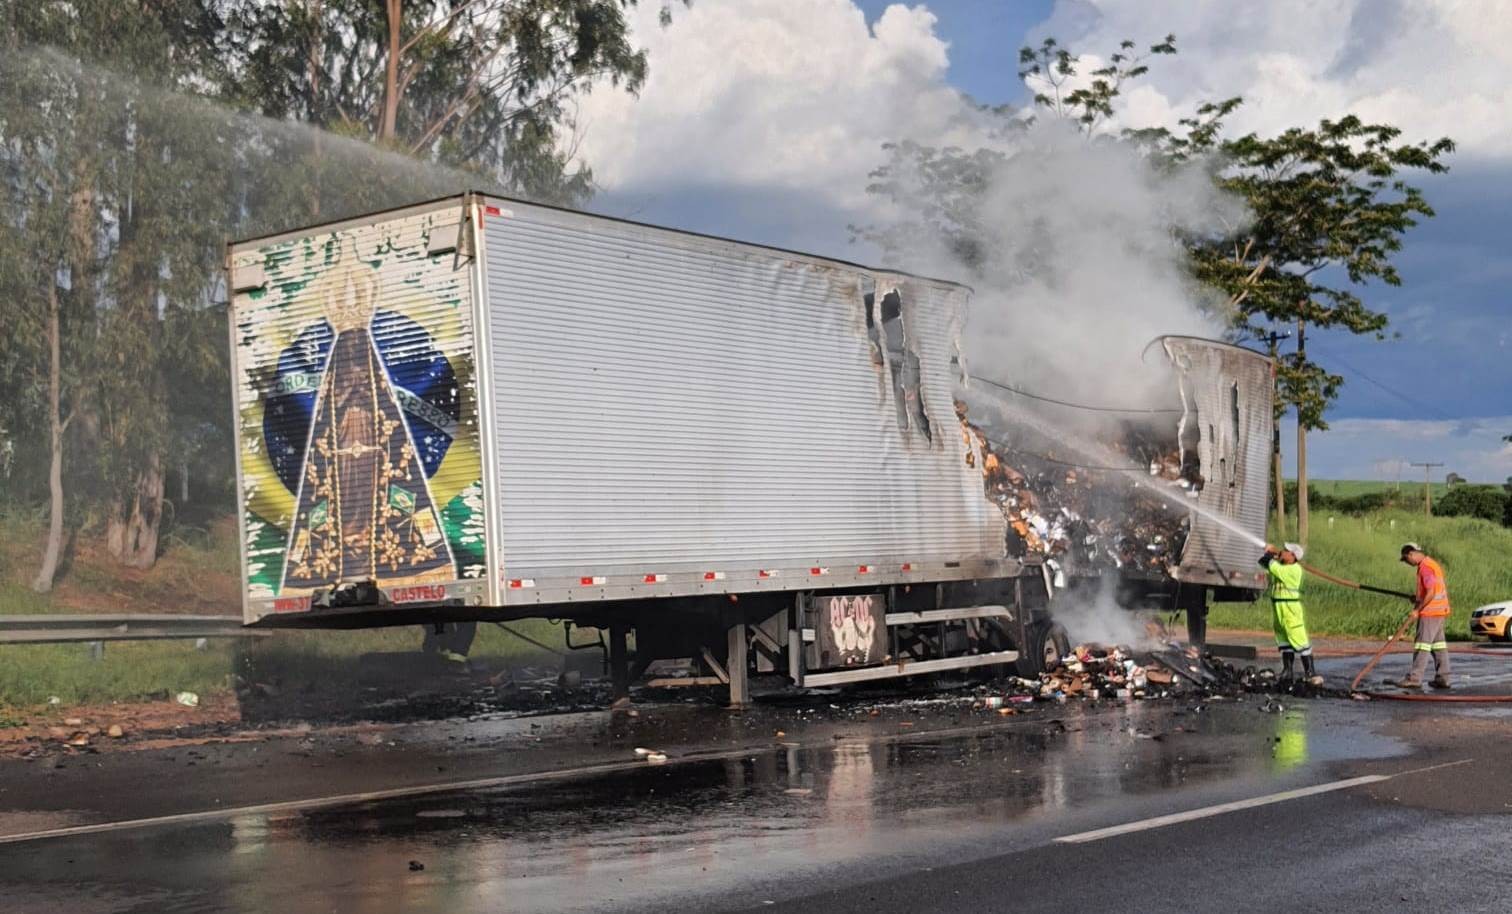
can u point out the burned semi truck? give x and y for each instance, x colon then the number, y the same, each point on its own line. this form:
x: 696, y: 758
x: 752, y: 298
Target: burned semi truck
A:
x: 477, y: 408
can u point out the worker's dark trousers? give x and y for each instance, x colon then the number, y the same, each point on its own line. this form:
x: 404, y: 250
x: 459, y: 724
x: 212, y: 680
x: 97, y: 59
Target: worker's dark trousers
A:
x: 1430, y: 637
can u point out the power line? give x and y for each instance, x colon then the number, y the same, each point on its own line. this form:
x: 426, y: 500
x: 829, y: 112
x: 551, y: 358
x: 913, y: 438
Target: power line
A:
x: 1405, y: 398
x: 1097, y: 409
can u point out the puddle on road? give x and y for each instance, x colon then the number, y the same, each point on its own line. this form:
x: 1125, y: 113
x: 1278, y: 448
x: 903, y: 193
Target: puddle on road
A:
x: 610, y: 841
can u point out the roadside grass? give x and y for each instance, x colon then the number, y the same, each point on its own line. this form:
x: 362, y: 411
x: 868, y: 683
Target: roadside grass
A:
x: 197, y: 573
x: 1476, y: 554
x: 32, y: 674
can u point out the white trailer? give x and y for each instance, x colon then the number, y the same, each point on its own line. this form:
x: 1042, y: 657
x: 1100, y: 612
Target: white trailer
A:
x: 478, y: 408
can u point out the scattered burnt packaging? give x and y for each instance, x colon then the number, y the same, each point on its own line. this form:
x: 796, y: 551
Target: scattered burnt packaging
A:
x: 1093, y: 671
x: 1089, y: 519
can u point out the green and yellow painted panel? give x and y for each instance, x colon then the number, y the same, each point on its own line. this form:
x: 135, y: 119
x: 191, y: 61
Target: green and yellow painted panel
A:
x: 356, y: 385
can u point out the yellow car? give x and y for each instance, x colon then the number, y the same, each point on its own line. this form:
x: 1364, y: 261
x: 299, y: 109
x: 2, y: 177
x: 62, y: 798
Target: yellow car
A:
x: 1493, y: 620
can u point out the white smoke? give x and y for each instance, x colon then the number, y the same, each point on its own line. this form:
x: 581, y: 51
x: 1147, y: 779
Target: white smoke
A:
x: 1081, y: 265
x: 1084, y: 265
x: 1094, y: 617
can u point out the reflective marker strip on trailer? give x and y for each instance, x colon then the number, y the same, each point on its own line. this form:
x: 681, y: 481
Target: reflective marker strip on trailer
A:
x: 660, y: 578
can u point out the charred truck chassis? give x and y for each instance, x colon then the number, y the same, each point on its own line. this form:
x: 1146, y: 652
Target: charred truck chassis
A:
x: 812, y: 638
x: 835, y: 637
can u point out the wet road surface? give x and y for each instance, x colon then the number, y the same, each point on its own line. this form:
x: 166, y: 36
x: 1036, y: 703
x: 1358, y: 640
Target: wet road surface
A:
x: 897, y: 804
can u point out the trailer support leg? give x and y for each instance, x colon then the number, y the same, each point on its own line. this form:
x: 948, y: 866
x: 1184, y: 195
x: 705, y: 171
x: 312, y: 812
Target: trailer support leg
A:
x: 1196, y: 606
x: 619, y: 661
x: 735, y: 665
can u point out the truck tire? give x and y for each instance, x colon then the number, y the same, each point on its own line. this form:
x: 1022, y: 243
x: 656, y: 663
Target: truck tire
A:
x: 1048, y: 643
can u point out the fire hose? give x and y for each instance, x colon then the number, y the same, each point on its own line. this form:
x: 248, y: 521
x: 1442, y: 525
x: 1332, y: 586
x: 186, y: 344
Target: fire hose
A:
x: 1354, y: 686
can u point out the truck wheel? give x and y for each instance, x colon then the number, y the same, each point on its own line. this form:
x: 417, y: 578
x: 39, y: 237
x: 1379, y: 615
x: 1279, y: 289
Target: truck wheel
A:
x: 1048, y: 643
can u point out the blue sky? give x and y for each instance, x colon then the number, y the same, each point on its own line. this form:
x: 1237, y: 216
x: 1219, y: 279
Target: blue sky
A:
x: 985, y: 38
x: 761, y: 119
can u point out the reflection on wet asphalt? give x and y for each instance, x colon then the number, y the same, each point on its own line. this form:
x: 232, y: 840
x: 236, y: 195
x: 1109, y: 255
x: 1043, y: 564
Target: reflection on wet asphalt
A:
x: 718, y: 833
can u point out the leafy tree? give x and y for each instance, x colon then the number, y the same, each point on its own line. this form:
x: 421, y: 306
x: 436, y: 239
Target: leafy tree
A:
x: 1329, y: 207
x: 48, y: 255
x: 485, y: 85
x: 1488, y: 502
x: 121, y: 208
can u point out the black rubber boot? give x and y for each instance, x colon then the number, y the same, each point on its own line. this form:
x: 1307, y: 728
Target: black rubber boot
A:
x: 1287, y: 659
x: 1310, y: 671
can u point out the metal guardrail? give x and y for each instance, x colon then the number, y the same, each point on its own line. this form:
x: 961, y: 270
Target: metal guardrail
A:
x: 55, y: 629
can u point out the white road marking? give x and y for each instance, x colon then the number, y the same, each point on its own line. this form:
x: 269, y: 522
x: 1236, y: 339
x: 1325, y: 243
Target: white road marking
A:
x: 1176, y: 818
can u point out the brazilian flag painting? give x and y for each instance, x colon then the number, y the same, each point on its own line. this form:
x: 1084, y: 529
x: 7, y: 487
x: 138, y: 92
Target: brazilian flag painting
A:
x: 359, y: 431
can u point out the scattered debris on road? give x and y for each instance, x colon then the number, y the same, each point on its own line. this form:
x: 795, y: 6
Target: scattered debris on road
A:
x: 1093, y: 672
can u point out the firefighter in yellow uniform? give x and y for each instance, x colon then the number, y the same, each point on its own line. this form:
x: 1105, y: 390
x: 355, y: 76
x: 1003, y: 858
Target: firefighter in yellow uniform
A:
x: 1288, y: 618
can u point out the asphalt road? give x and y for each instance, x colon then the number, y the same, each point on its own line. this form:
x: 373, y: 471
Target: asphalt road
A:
x: 845, y: 803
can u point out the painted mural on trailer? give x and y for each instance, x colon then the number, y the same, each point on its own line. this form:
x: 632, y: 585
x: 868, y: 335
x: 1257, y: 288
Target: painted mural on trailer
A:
x: 360, y: 453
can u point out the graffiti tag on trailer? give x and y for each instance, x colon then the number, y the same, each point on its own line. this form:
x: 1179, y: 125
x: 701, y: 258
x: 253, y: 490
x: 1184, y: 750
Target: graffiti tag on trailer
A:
x: 852, y: 630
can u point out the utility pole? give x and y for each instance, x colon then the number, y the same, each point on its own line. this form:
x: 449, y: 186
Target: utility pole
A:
x: 1272, y: 339
x: 1301, y: 443
x: 1427, y: 486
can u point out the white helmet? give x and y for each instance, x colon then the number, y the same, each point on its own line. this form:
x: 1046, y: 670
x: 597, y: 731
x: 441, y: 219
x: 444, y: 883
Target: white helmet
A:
x: 1296, y: 550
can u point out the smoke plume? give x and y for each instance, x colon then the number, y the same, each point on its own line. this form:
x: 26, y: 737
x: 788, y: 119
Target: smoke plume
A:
x: 1082, y: 265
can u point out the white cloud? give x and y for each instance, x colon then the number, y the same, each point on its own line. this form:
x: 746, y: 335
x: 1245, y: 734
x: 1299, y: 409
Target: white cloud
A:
x: 1386, y: 448
x: 771, y: 94
x: 1434, y: 67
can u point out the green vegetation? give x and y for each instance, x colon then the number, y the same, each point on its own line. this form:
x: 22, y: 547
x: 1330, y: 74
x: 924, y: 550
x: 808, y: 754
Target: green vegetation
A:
x: 32, y: 674
x: 1486, y: 502
x: 1365, y: 549
x: 1407, y: 492
x: 196, y: 573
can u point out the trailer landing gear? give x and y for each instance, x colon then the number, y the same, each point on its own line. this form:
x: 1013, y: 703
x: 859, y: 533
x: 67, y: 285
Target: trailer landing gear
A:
x: 619, y: 665
x: 735, y: 667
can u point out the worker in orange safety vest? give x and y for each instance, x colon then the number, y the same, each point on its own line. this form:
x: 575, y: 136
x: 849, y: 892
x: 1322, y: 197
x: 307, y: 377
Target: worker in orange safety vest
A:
x: 1431, y: 610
